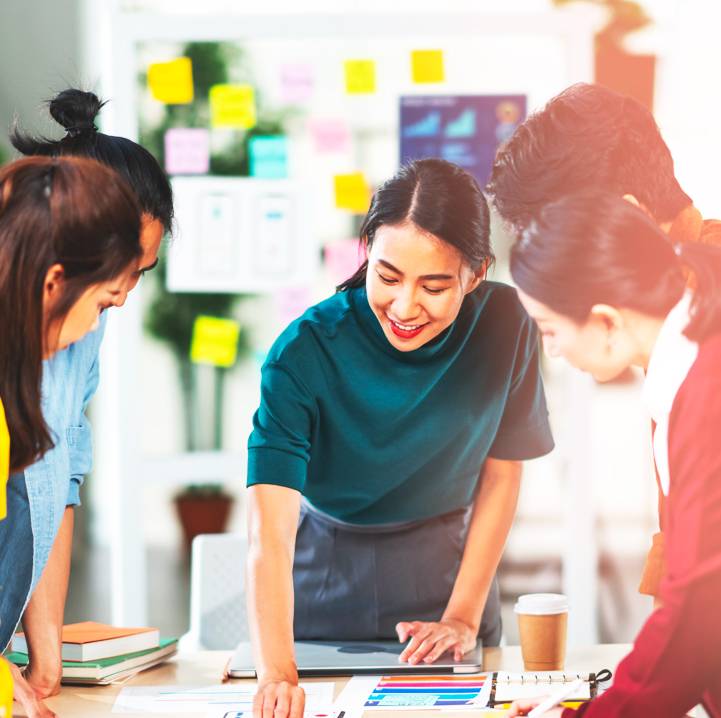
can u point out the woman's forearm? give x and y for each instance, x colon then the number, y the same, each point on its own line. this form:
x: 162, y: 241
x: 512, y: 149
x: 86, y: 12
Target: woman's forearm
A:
x: 272, y: 525
x: 43, y: 617
x: 491, y: 521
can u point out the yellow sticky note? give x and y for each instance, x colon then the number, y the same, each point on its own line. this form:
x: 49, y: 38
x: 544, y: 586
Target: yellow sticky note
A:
x: 215, y: 341
x: 352, y: 192
x: 360, y: 76
x: 427, y: 66
x: 232, y: 106
x: 4, y: 462
x: 172, y: 82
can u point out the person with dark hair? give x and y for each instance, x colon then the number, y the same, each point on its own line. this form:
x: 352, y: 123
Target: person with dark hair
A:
x: 590, y: 137
x: 609, y: 291
x: 70, y: 379
x: 385, y: 459
x: 66, y: 253
x: 76, y: 111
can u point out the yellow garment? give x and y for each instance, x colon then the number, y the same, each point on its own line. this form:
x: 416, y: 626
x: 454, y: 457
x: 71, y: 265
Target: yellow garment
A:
x: 4, y: 462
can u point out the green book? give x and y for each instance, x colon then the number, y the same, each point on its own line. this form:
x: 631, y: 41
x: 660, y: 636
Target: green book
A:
x: 105, y: 669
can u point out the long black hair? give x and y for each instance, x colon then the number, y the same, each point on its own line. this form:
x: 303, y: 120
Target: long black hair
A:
x: 438, y: 197
x: 596, y: 248
x: 52, y: 213
x: 77, y: 112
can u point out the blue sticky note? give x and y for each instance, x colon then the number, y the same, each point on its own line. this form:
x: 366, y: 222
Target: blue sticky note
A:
x: 268, y: 156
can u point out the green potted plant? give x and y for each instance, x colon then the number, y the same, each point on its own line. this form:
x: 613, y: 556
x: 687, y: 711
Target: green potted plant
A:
x: 171, y: 315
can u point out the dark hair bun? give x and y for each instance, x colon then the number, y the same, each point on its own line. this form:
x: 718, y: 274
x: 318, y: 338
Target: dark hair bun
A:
x: 75, y: 109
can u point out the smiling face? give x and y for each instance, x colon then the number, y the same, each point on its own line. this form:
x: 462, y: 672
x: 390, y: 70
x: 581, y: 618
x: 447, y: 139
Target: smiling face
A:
x: 416, y: 283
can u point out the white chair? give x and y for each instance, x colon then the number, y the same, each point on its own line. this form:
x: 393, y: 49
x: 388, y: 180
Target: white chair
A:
x: 218, y: 618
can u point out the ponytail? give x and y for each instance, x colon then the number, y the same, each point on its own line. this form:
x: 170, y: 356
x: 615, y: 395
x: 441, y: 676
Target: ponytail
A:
x: 704, y: 264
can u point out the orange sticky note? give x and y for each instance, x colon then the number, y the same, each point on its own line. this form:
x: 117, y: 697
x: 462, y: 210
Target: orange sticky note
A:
x: 427, y: 66
x: 352, y: 192
x: 172, y: 82
x: 360, y: 77
x: 232, y: 106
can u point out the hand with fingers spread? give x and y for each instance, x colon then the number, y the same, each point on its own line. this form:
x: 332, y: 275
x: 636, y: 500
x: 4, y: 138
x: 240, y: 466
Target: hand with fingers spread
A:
x: 431, y: 639
x: 279, y: 699
x: 523, y: 708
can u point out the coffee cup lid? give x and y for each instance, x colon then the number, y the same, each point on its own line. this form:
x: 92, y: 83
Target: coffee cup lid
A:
x: 541, y: 604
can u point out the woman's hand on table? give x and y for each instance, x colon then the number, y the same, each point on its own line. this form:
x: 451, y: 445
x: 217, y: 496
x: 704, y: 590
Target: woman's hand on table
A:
x: 278, y: 699
x: 27, y: 697
x: 430, y: 639
x: 522, y: 708
x: 44, y: 681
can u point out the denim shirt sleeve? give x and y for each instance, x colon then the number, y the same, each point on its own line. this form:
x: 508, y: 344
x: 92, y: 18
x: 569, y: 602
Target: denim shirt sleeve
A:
x: 79, y: 436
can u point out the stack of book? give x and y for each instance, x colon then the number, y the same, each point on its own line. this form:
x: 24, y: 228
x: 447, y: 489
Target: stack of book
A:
x: 94, y: 653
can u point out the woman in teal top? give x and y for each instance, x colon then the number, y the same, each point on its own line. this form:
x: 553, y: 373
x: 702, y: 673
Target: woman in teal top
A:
x: 384, y: 462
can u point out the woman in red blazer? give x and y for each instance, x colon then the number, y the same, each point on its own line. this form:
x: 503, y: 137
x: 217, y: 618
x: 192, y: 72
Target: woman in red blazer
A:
x: 608, y: 290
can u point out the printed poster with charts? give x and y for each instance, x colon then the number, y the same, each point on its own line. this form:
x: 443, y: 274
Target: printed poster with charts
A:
x: 414, y: 692
x: 463, y: 129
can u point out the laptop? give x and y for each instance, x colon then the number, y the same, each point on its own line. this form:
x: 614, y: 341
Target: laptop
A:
x: 343, y: 658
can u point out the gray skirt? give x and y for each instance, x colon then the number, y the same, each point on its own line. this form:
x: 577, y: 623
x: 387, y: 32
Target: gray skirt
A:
x: 357, y: 583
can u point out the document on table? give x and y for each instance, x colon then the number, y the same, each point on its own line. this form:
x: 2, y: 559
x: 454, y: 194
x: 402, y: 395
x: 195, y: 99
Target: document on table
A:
x: 215, y: 700
x: 409, y: 692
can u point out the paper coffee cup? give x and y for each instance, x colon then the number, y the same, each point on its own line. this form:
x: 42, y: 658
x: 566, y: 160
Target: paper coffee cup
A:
x: 542, y: 623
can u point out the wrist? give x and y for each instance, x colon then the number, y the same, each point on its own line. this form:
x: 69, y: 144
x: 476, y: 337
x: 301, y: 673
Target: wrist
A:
x: 287, y: 674
x: 464, y: 621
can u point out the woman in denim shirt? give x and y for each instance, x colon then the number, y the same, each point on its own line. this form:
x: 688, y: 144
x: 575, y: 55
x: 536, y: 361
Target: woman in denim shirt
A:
x: 69, y: 382
x: 65, y: 254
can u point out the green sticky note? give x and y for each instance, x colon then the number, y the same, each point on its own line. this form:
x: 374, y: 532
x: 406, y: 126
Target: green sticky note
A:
x: 427, y: 66
x: 215, y: 341
x: 360, y: 77
x: 232, y: 106
x: 268, y: 156
x: 172, y: 82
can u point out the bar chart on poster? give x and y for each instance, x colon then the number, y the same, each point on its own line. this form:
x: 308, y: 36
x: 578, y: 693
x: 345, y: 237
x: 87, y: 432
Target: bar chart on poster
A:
x: 464, y: 129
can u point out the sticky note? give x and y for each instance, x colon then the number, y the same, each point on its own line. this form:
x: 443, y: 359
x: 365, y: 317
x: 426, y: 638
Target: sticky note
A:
x: 215, y: 341
x: 232, y: 106
x: 360, y: 76
x: 342, y: 257
x: 172, y: 82
x: 296, y: 82
x: 427, y: 66
x: 187, y: 151
x: 352, y: 192
x: 268, y: 156
x: 330, y: 135
x: 291, y: 302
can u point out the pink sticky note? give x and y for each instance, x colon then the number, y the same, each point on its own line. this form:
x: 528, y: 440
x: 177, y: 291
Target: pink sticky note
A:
x: 187, y: 151
x: 330, y: 135
x: 296, y: 82
x: 291, y: 302
x: 343, y: 257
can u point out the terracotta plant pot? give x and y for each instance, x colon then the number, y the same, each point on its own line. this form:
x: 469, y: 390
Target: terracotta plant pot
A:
x: 202, y: 515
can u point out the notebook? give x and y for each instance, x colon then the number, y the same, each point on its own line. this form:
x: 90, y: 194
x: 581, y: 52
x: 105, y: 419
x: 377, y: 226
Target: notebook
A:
x: 91, y: 641
x: 108, y: 669
x: 507, y: 687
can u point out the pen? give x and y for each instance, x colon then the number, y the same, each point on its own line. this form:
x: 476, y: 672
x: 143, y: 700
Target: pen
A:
x: 555, y: 698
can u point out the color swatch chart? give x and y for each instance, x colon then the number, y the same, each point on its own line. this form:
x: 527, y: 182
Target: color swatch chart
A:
x: 439, y: 691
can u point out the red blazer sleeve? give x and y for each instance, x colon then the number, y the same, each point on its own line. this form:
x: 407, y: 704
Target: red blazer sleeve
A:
x: 676, y: 660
